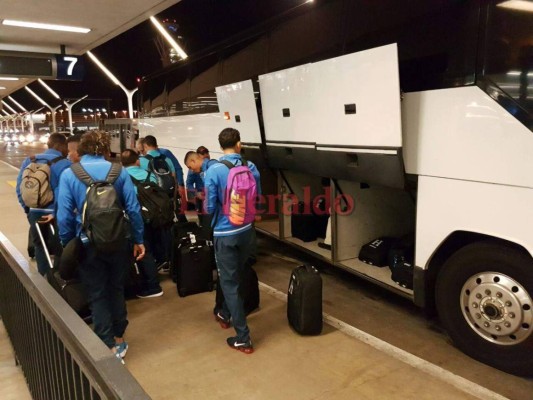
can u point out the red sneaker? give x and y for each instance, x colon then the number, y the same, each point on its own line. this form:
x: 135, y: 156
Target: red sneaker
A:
x: 224, y: 323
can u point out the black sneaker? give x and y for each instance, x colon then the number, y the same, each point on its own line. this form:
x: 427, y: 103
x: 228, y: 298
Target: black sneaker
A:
x: 244, y: 346
x: 224, y: 322
x: 148, y: 295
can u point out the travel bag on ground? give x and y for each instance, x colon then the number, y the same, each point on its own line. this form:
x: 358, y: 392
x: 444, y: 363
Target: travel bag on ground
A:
x: 249, y: 291
x: 71, y: 290
x: 193, y: 265
x: 304, y: 301
x: 179, y: 231
x: 376, y: 252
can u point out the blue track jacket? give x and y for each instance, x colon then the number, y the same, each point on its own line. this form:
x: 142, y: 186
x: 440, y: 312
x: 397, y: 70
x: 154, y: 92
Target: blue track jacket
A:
x: 56, y: 169
x: 216, y: 176
x: 72, y: 194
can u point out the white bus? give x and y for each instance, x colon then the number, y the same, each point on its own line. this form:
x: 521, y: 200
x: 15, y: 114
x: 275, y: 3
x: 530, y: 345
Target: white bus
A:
x: 420, y: 111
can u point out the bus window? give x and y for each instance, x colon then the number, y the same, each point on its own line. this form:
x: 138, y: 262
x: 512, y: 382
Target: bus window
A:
x: 508, y: 57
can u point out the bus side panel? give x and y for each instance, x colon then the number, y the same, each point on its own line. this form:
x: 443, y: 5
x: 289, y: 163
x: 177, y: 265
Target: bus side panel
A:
x: 238, y: 100
x: 448, y: 205
x: 185, y: 133
x: 462, y: 133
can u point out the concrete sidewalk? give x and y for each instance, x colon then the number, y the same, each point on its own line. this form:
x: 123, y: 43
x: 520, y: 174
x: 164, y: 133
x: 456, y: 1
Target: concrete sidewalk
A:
x: 178, y: 351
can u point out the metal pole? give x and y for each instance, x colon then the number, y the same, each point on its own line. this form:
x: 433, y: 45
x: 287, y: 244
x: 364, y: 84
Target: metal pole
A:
x: 69, y: 108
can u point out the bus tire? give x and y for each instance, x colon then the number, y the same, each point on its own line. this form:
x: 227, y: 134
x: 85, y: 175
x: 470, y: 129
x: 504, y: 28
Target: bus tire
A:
x: 484, y: 299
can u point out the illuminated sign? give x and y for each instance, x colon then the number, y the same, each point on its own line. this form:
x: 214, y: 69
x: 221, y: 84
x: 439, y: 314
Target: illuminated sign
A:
x: 45, y: 66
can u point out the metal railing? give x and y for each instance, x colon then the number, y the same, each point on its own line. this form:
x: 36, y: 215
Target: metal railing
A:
x: 60, y: 356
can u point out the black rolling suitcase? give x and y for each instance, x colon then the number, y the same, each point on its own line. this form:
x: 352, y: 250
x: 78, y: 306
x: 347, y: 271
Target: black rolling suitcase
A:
x: 304, y: 302
x: 249, y: 291
x: 193, y: 266
x: 71, y: 290
x: 180, y: 231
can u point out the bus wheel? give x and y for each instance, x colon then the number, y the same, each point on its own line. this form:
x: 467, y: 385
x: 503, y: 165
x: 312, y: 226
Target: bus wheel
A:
x: 484, y: 299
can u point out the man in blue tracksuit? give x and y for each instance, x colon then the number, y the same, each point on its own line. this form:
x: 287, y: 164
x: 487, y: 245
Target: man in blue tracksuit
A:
x: 162, y: 244
x: 57, y: 147
x: 150, y: 144
x: 150, y: 286
x: 232, y: 244
x: 195, y: 180
x: 102, y: 275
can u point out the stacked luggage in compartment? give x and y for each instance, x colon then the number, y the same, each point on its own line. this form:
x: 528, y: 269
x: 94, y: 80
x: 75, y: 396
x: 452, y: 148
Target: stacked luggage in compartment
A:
x: 396, y: 253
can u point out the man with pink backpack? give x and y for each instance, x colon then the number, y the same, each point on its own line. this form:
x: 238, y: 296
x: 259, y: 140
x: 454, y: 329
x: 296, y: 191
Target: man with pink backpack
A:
x: 231, y: 188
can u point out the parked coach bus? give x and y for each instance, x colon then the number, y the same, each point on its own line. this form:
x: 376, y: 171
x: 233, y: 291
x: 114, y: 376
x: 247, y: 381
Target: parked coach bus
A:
x: 418, y: 112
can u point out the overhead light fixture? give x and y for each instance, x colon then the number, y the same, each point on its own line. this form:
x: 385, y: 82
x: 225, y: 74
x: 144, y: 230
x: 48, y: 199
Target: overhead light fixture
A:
x: 2, y: 88
x: 17, y: 104
x: 6, y: 78
x: 49, y: 89
x: 38, y: 25
x: 37, y: 97
x: 8, y: 106
x: 169, y: 38
x: 521, y: 5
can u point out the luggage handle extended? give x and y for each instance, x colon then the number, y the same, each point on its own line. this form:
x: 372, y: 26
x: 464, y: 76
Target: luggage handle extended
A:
x: 41, y: 237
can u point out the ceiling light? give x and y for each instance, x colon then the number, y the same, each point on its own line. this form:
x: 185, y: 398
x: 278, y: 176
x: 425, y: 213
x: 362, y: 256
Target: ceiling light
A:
x: 5, y: 78
x: 2, y: 88
x: 521, y: 5
x: 49, y: 89
x: 37, y: 25
x: 169, y: 38
x: 17, y: 103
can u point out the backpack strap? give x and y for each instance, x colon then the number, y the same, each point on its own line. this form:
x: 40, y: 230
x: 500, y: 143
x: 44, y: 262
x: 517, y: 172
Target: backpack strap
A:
x: 114, y: 173
x: 227, y: 163
x: 147, y: 179
x: 81, y: 174
x: 148, y: 157
x: 59, y: 158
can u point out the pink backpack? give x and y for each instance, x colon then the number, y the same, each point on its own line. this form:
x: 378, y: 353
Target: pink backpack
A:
x: 240, y: 195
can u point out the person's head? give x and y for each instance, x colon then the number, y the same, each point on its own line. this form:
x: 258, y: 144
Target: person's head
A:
x: 95, y: 143
x: 150, y: 143
x: 194, y: 161
x: 140, y: 146
x: 72, y: 144
x: 129, y: 158
x: 58, y: 141
x: 230, y: 140
x: 202, y: 150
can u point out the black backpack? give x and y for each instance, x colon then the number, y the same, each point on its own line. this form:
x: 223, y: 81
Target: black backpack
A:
x: 156, y: 207
x: 158, y: 165
x: 103, y: 219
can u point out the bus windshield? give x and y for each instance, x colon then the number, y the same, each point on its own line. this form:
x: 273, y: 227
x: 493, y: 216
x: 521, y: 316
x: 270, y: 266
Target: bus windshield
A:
x: 508, y: 56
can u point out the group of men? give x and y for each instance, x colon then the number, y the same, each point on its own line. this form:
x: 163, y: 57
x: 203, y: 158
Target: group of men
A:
x: 103, y: 273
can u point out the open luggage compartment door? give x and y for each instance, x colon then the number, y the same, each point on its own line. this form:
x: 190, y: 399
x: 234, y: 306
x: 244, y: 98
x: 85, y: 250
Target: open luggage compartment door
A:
x: 338, y: 117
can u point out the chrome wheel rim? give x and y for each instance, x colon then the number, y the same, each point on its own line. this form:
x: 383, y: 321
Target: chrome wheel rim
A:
x: 497, y: 308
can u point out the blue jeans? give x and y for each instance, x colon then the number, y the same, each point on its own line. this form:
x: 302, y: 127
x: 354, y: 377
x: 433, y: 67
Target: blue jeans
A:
x: 51, y: 240
x: 103, y: 277
x: 147, y: 266
x: 231, y: 253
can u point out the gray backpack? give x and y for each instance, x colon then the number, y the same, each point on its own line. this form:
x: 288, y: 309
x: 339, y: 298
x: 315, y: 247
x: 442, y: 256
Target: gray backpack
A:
x: 35, y: 187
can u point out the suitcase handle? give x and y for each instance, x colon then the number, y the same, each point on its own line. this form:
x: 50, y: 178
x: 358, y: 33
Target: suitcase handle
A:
x: 41, y: 237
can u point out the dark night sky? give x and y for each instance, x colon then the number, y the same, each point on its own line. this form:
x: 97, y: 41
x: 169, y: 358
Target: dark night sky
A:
x: 133, y: 54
